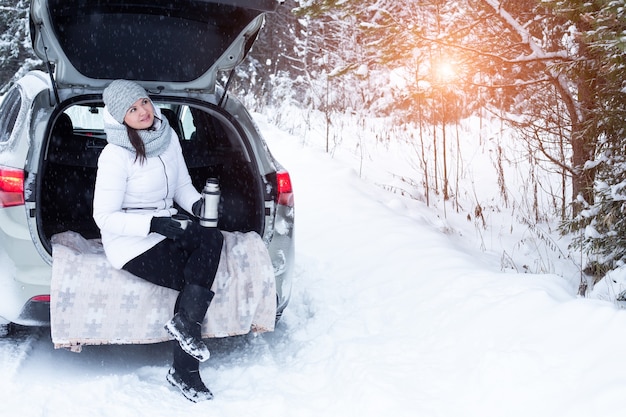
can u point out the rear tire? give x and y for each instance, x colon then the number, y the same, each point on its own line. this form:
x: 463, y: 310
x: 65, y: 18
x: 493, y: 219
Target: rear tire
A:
x: 6, y: 329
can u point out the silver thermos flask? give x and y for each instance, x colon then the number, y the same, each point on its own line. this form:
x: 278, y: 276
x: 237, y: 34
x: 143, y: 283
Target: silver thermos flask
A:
x: 211, y: 199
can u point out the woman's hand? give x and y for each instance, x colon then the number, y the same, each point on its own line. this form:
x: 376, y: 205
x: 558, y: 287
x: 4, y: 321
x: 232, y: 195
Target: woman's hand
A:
x: 167, y: 227
x: 197, y: 207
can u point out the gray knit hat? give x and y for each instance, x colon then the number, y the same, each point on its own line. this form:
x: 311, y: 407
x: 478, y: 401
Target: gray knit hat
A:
x: 120, y: 95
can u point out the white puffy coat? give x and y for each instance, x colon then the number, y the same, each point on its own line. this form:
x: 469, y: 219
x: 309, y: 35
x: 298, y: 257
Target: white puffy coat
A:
x: 128, y: 194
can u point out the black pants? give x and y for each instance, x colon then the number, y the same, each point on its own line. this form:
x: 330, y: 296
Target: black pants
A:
x: 191, y: 259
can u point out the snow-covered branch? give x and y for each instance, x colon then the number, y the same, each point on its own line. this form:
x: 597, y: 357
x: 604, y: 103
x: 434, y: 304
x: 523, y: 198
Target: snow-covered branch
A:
x: 538, y: 51
x: 532, y: 57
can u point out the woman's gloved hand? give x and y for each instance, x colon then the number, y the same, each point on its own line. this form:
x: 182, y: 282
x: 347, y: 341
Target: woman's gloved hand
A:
x: 196, y: 209
x: 167, y: 227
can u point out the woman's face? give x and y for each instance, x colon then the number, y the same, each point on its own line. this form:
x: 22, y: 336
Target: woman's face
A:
x: 140, y: 115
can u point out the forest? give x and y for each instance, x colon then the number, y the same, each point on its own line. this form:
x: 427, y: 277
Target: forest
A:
x: 552, y: 71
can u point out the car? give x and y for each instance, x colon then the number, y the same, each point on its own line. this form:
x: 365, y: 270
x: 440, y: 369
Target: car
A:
x: 51, y: 129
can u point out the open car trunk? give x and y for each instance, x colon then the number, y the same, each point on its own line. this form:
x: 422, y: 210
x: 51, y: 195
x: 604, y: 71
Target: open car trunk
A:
x: 171, y: 45
x: 211, y: 145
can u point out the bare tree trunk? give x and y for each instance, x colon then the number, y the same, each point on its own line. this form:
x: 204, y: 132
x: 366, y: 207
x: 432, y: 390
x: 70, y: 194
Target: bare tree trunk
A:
x: 444, y: 145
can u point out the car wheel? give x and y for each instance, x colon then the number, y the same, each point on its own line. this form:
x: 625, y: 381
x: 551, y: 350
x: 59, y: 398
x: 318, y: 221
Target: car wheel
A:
x: 5, y: 329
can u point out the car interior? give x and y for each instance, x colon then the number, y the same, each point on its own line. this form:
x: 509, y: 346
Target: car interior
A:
x: 69, y: 167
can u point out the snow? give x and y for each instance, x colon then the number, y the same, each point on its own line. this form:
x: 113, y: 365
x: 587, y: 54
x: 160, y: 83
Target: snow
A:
x: 395, y: 310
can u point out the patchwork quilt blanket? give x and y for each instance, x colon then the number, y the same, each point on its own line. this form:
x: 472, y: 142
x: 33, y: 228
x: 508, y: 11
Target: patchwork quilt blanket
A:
x: 92, y: 303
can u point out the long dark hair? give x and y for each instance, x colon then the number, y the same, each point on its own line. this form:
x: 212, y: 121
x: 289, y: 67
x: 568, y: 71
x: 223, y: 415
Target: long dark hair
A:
x: 137, y: 142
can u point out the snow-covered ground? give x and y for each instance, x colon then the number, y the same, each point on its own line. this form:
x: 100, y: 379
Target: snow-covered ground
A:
x: 395, y: 311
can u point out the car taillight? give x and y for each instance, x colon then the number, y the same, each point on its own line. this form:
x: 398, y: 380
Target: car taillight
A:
x: 41, y: 298
x: 11, y: 187
x: 285, y: 192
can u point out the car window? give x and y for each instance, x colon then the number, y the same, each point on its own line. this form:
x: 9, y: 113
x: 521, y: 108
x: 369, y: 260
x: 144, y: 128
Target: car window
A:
x: 9, y: 110
x: 186, y: 119
x: 86, y: 117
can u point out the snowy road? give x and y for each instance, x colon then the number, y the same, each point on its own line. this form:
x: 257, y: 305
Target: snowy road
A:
x: 391, y: 314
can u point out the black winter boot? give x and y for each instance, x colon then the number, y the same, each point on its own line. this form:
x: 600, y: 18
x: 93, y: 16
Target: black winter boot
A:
x: 185, y: 375
x: 190, y: 384
x: 185, y: 326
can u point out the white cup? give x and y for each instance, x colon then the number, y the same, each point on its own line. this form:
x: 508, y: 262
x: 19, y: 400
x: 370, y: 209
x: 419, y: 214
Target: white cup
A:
x: 182, y: 219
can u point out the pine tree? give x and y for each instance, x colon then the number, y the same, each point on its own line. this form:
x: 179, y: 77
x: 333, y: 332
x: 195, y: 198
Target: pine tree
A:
x: 601, y: 227
x: 16, y: 54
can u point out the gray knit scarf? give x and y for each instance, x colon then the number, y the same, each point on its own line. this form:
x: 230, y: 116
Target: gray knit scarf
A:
x: 156, y: 140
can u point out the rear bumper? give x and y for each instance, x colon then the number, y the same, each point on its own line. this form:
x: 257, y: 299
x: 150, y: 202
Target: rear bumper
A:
x: 34, y: 313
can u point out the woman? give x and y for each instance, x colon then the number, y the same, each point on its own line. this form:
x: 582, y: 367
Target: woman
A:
x: 141, y: 174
